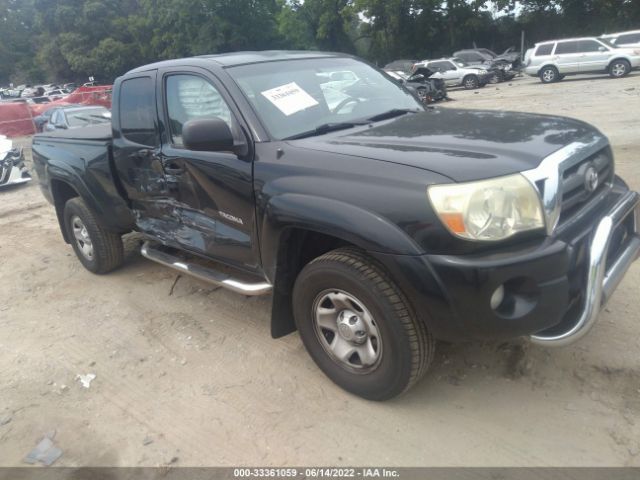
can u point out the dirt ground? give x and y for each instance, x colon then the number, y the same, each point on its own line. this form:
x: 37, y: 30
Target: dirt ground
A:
x: 188, y: 375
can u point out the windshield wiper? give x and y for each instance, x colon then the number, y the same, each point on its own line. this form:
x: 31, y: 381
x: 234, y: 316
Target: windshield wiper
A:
x: 326, y: 128
x: 395, y: 112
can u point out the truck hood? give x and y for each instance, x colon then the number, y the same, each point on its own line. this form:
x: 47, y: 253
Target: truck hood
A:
x: 463, y: 145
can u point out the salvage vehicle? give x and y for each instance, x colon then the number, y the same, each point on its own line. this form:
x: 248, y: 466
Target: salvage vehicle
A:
x: 12, y: 168
x: 378, y: 226
x: 505, y: 69
x: 456, y: 73
x: 428, y: 90
x: 551, y: 61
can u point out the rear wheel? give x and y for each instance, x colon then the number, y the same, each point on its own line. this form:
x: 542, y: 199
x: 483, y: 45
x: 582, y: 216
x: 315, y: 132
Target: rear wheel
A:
x: 619, y: 68
x: 470, y: 82
x: 358, y: 327
x: 549, y: 74
x: 99, y: 250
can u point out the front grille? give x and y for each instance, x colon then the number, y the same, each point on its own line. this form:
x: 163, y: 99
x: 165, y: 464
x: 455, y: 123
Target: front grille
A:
x: 576, y: 194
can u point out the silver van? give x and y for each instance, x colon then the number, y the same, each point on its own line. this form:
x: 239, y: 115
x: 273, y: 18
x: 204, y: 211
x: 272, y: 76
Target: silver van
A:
x: 552, y: 60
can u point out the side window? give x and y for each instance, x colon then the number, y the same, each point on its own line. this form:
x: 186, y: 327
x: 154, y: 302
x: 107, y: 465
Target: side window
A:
x: 566, y: 47
x: 138, y: 111
x: 448, y: 66
x: 55, y: 117
x: 628, y: 38
x: 544, y: 50
x: 190, y: 97
x: 586, y: 46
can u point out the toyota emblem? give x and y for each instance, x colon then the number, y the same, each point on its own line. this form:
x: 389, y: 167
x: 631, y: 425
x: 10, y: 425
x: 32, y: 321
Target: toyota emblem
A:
x: 591, y: 180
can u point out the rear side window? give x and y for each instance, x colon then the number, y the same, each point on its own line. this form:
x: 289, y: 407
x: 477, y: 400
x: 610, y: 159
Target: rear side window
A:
x: 567, y: 47
x: 138, y: 111
x: 441, y: 66
x: 544, y: 50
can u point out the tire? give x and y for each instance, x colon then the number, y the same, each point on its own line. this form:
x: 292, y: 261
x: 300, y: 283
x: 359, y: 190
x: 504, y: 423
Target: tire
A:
x: 99, y: 250
x: 470, y: 82
x: 549, y: 74
x: 619, y: 68
x: 356, y: 295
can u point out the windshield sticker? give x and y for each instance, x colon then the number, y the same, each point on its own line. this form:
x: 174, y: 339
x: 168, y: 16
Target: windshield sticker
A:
x: 290, y: 98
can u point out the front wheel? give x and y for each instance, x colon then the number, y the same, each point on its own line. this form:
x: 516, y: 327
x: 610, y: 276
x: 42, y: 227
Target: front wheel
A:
x: 619, y: 68
x: 358, y: 327
x: 99, y: 250
x: 470, y: 82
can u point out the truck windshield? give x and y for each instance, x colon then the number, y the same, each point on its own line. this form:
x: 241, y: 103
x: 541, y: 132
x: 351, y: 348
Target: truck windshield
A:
x: 296, y: 96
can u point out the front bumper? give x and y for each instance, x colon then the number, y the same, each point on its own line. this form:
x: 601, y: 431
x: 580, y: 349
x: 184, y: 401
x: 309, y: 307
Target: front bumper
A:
x: 605, y: 271
x: 13, y: 170
x: 553, y: 289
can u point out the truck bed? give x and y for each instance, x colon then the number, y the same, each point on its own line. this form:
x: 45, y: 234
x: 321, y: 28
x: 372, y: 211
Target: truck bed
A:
x: 80, y: 160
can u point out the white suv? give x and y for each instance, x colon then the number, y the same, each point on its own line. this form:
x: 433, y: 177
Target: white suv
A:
x: 552, y: 60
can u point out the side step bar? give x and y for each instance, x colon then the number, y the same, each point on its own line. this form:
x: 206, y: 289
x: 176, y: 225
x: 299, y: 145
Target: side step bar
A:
x: 203, y: 273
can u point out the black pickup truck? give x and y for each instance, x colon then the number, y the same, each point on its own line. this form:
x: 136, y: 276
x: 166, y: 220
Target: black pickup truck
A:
x: 377, y: 224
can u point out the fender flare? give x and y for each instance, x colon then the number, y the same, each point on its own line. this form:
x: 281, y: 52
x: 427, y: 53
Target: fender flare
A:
x: 350, y: 223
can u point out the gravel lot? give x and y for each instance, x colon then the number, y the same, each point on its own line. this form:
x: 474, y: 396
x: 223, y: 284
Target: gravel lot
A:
x: 188, y: 375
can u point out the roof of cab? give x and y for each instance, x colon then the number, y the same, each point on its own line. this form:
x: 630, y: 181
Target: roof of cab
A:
x: 240, y: 58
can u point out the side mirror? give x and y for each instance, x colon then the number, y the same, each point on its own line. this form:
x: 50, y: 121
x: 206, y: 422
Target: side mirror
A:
x: 602, y: 49
x: 207, y: 135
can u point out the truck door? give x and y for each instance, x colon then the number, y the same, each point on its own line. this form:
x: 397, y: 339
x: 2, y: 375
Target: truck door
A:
x: 136, y: 151
x: 212, y: 191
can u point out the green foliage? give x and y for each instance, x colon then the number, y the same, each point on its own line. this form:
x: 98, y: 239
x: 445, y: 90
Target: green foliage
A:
x: 46, y: 40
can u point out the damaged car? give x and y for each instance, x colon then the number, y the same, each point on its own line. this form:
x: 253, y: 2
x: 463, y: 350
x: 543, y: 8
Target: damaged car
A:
x: 13, y: 171
x: 505, y: 66
x: 428, y: 90
x: 456, y: 73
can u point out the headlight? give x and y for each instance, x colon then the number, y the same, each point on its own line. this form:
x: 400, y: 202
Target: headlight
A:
x: 488, y: 210
x: 482, y: 72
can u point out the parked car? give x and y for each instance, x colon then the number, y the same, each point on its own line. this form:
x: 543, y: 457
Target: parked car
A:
x: 553, y: 60
x: 504, y: 68
x: 456, y: 73
x: 75, y: 117
x: 428, y: 90
x: 630, y: 39
x: 56, y: 94
x: 45, y: 116
x: 378, y: 225
x: 12, y: 168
